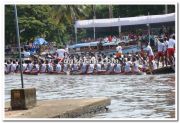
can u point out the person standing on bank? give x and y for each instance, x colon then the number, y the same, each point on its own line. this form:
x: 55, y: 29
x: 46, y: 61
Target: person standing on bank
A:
x: 118, y: 51
x: 150, y: 55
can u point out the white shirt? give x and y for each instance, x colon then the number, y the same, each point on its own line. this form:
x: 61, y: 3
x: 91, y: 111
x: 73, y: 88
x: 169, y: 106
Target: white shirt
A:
x: 111, y: 67
x: 149, y: 49
x: 50, y: 67
x: 36, y: 67
x: 106, y: 39
x: 117, y: 68
x: 165, y: 45
x: 8, y: 68
x: 13, y: 67
x: 171, y: 43
x: 58, y: 68
x: 24, y: 65
x: 136, y: 69
x: 98, y: 67
x: 113, y: 39
x: 75, y: 67
x: 29, y: 67
x: 91, y: 68
x: 161, y: 46
x: 65, y: 69
x: 43, y: 68
x: 83, y: 68
x: 61, y: 52
x: 154, y: 65
x: 128, y: 66
x: 26, y: 54
x: 119, y: 49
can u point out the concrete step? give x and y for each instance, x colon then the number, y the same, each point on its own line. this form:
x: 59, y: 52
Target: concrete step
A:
x: 66, y: 108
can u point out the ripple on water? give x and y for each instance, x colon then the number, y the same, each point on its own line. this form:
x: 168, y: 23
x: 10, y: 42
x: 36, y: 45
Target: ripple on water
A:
x: 131, y: 96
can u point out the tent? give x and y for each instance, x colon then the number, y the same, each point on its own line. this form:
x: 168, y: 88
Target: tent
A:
x: 40, y: 41
x: 112, y: 22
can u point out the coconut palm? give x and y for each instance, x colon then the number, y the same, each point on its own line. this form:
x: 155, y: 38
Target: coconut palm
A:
x: 68, y: 13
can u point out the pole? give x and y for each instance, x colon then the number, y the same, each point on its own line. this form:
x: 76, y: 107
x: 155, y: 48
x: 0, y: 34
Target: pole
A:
x: 110, y: 11
x: 166, y: 9
x: 148, y: 29
x: 94, y: 17
x: 94, y: 33
x: 18, y: 39
x: 75, y: 33
x: 75, y: 28
x: 119, y: 27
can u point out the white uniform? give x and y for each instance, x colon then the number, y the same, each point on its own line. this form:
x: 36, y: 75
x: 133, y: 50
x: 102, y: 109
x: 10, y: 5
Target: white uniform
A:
x: 65, y: 69
x: 60, y: 53
x: 36, y: 67
x: 128, y: 66
x: 149, y: 49
x: 13, y: 67
x: 26, y: 54
x: 161, y: 47
x: 75, y: 67
x: 117, y: 68
x: 111, y: 67
x: 50, y: 67
x: 154, y: 65
x: 58, y: 68
x: 43, y: 68
x: 91, y: 68
x: 8, y: 67
x: 98, y: 67
x: 165, y: 45
x: 119, y: 49
x: 24, y: 65
x: 171, y: 43
x: 136, y: 65
x: 83, y: 68
x: 29, y: 67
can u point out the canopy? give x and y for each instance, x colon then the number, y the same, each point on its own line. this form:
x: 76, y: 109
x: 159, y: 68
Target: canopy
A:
x: 91, y: 44
x: 125, y: 21
x: 40, y: 41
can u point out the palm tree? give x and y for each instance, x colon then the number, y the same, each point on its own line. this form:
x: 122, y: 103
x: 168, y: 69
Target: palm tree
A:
x: 68, y: 13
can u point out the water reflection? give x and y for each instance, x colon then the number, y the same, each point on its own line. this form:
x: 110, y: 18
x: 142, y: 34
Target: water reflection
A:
x: 131, y: 96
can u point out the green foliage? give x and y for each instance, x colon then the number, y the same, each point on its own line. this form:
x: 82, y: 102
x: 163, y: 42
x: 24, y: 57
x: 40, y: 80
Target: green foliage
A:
x: 55, y: 22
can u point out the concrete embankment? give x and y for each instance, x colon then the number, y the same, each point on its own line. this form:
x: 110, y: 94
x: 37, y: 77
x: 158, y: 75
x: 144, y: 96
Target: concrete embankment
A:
x: 66, y: 108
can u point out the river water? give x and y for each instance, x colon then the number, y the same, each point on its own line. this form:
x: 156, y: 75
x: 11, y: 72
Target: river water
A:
x: 134, y: 96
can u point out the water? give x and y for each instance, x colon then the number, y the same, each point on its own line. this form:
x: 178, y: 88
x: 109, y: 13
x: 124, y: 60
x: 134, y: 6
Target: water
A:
x: 150, y: 96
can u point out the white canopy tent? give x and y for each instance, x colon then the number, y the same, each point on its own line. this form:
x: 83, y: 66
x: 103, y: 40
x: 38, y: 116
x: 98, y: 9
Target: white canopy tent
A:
x: 112, y: 22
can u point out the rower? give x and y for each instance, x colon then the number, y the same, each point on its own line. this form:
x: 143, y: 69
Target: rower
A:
x: 35, y: 67
x: 13, y: 67
x: 24, y: 66
x: 65, y: 67
x: 29, y: 67
x: 110, y: 68
x: 58, y: 68
x: 128, y: 65
x: 49, y: 67
x: 83, y: 68
x: 42, y: 67
x: 117, y: 68
x: 74, y: 68
x: 135, y: 65
x: 8, y: 65
x: 90, y: 68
